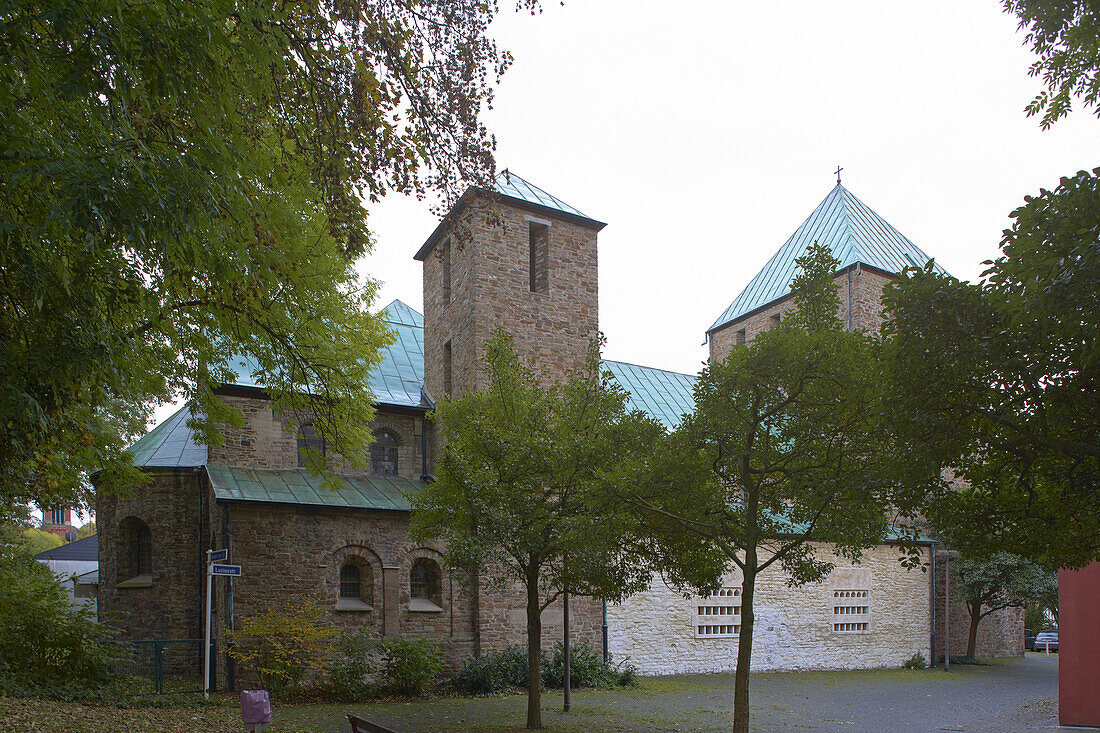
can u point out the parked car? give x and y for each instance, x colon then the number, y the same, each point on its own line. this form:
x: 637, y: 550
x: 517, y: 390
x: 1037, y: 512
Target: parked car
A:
x: 1029, y: 640
x: 1046, y: 641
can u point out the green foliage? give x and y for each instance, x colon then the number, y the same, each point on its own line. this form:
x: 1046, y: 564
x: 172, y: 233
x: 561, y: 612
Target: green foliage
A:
x: 1000, y: 380
x: 783, y: 450
x: 1034, y: 618
x: 352, y: 663
x: 1064, y: 36
x: 185, y: 182
x: 283, y: 645
x: 525, y: 485
x: 586, y: 669
x: 998, y: 581
x: 86, y: 530
x: 493, y: 673
x: 916, y: 661
x: 44, y: 644
x: 410, y: 666
x: 39, y: 540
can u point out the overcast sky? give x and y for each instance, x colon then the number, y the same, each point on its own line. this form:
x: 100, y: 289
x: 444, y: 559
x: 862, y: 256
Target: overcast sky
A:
x: 704, y: 134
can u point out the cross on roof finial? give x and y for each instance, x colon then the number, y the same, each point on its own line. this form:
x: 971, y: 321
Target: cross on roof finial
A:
x: 838, y: 170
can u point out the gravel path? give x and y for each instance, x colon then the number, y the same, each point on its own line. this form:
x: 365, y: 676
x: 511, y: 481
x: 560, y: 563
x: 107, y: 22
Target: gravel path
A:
x: 1011, y: 696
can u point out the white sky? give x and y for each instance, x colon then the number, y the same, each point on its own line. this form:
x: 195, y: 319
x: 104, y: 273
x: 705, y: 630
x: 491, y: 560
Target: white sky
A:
x: 705, y: 133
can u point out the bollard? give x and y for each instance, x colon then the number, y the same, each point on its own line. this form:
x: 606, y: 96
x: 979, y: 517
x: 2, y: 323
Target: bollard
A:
x: 255, y: 710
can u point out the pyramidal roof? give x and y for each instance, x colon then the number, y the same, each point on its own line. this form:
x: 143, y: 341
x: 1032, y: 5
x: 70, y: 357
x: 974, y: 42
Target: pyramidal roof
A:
x: 850, y: 229
x: 520, y: 192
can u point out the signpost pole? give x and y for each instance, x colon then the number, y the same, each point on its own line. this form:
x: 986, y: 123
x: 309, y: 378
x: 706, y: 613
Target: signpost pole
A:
x: 206, y: 638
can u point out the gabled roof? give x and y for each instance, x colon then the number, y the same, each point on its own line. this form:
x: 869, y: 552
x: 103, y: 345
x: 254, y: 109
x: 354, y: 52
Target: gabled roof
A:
x: 850, y: 229
x: 86, y: 550
x: 399, y: 379
x: 170, y: 445
x: 518, y: 192
x: 664, y: 396
x: 298, y: 486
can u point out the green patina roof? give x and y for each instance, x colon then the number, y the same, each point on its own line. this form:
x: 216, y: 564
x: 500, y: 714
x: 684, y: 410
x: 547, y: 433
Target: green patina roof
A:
x: 169, y: 445
x: 664, y: 396
x: 850, y: 229
x: 298, y: 486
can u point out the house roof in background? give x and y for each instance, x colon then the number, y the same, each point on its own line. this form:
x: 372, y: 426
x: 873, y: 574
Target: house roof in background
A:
x: 86, y: 550
x: 665, y: 396
x: 300, y: 487
x: 170, y: 444
x: 851, y: 230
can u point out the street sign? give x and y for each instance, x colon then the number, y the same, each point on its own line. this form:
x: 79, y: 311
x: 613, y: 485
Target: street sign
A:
x: 217, y: 555
x: 216, y: 569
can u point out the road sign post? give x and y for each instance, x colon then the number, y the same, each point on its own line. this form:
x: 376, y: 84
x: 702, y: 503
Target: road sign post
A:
x: 214, y: 566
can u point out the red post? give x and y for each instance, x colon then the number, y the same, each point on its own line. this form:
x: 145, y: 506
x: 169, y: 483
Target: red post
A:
x: 1079, y: 646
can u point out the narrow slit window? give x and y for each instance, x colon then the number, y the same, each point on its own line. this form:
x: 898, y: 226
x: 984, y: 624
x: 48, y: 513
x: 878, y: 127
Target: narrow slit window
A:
x: 447, y: 386
x: 308, y: 440
x: 445, y: 266
x: 539, y: 253
x: 740, y: 338
x: 383, y: 454
x: 350, y: 585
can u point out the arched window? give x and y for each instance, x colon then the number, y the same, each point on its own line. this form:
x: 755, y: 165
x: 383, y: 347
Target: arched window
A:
x: 424, y: 586
x: 356, y: 586
x: 135, y: 553
x: 308, y: 440
x: 349, y: 581
x: 383, y: 454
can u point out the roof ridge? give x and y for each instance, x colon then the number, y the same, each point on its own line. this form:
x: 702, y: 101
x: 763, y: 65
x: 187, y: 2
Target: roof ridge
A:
x: 656, y: 369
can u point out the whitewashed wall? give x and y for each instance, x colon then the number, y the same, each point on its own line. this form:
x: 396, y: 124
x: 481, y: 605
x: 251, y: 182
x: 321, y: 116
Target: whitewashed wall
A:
x: 794, y: 626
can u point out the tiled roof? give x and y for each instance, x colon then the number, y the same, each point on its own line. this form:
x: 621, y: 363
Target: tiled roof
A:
x: 169, y: 445
x: 850, y: 229
x: 86, y: 550
x: 298, y: 486
x: 665, y: 396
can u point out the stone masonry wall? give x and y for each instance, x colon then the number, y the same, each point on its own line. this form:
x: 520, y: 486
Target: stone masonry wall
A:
x: 794, y: 626
x: 490, y: 288
x: 863, y: 289
x: 171, y: 607
x: 295, y: 552
x: 503, y: 617
x: 268, y: 440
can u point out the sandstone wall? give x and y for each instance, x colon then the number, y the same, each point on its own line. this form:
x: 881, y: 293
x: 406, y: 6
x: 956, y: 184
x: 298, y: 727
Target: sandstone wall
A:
x: 794, y: 627
x: 270, y: 440
x: 862, y: 289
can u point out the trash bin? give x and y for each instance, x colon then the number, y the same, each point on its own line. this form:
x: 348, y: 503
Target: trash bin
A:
x: 255, y: 710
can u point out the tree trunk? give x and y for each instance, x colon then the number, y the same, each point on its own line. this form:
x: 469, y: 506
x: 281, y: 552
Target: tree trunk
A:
x: 534, y: 652
x: 744, y: 650
x: 972, y: 640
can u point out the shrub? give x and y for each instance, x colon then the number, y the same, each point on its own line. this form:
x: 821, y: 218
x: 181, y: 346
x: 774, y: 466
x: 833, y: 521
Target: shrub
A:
x: 493, y: 673
x: 352, y: 663
x: 586, y: 668
x: 409, y: 667
x: 44, y: 643
x: 283, y: 644
x: 915, y: 662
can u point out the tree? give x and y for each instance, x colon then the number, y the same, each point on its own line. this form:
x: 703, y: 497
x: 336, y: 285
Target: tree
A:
x: 781, y: 453
x: 1064, y: 36
x: 1000, y: 380
x: 86, y: 530
x: 996, y: 582
x: 521, y: 488
x: 36, y: 540
x: 184, y: 182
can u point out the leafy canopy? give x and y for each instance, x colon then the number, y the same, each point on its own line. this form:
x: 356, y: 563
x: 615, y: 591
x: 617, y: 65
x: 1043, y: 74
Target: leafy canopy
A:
x: 1000, y: 380
x: 523, y: 486
x: 184, y: 181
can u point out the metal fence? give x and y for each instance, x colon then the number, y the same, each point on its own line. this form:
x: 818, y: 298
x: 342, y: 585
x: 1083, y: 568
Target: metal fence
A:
x: 161, y: 666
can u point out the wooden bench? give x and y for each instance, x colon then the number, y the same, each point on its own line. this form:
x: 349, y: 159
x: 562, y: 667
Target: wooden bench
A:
x: 358, y: 725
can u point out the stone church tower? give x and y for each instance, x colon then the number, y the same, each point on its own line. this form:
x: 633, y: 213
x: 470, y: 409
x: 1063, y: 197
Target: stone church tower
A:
x: 514, y: 257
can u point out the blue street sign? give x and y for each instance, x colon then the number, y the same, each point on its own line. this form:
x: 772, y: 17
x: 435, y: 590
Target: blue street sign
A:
x: 217, y: 555
x: 225, y: 569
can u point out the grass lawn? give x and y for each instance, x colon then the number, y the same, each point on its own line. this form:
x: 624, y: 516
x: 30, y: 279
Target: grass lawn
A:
x: 1016, y: 692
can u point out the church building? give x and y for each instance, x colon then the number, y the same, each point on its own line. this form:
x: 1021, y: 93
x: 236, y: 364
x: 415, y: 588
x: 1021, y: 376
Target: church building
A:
x: 517, y: 257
